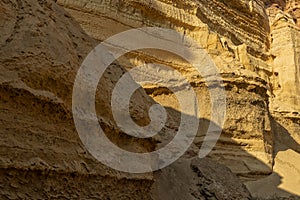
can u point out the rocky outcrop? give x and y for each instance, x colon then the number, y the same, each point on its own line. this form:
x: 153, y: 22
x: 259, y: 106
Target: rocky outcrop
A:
x: 198, y: 179
x: 285, y: 48
x: 239, y: 52
x: 284, y: 100
x: 41, y: 156
x: 241, y: 21
x: 255, y: 45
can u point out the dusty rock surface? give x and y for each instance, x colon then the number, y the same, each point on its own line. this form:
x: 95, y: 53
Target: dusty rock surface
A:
x: 198, y: 179
x: 255, y: 45
x: 42, y: 157
x: 241, y: 60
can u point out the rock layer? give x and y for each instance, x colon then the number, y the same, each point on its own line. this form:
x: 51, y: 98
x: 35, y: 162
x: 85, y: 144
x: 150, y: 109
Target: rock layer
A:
x: 238, y: 49
x: 41, y: 156
x: 255, y: 45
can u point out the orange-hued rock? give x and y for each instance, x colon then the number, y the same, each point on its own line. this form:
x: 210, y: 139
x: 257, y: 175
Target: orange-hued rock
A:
x: 41, y: 155
x: 254, y: 43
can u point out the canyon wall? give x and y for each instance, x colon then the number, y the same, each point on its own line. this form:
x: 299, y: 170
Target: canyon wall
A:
x: 254, y: 44
x: 42, y: 156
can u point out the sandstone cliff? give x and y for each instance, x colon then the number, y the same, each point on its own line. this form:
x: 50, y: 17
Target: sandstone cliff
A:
x: 42, y: 156
x: 254, y: 43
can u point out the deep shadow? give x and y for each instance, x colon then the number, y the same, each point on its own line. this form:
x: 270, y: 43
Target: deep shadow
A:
x: 282, y: 141
x: 279, y: 4
x: 279, y: 135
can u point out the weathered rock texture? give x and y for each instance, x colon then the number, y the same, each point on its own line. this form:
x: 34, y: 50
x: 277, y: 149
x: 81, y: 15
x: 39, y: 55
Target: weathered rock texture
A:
x: 254, y: 43
x: 239, y: 52
x: 207, y: 184
x: 256, y: 46
x: 41, y: 155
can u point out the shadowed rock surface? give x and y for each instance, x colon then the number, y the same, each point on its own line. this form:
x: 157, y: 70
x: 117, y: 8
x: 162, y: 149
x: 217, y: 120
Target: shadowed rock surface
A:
x: 255, y: 44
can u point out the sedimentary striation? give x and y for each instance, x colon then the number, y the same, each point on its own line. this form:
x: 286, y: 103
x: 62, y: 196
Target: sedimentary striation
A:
x: 41, y: 154
x: 42, y: 48
x: 255, y: 45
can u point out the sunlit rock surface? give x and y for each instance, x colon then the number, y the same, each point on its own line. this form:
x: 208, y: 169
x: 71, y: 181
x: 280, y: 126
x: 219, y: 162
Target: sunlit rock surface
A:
x: 255, y: 45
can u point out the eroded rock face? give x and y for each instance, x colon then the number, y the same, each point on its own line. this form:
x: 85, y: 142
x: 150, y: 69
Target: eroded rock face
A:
x: 285, y: 36
x: 284, y: 101
x: 41, y: 156
x: 254, y: 44
x: 241, y: 21
x: 198, y: 179
x: 238, y: 49
x: 41, y: 49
